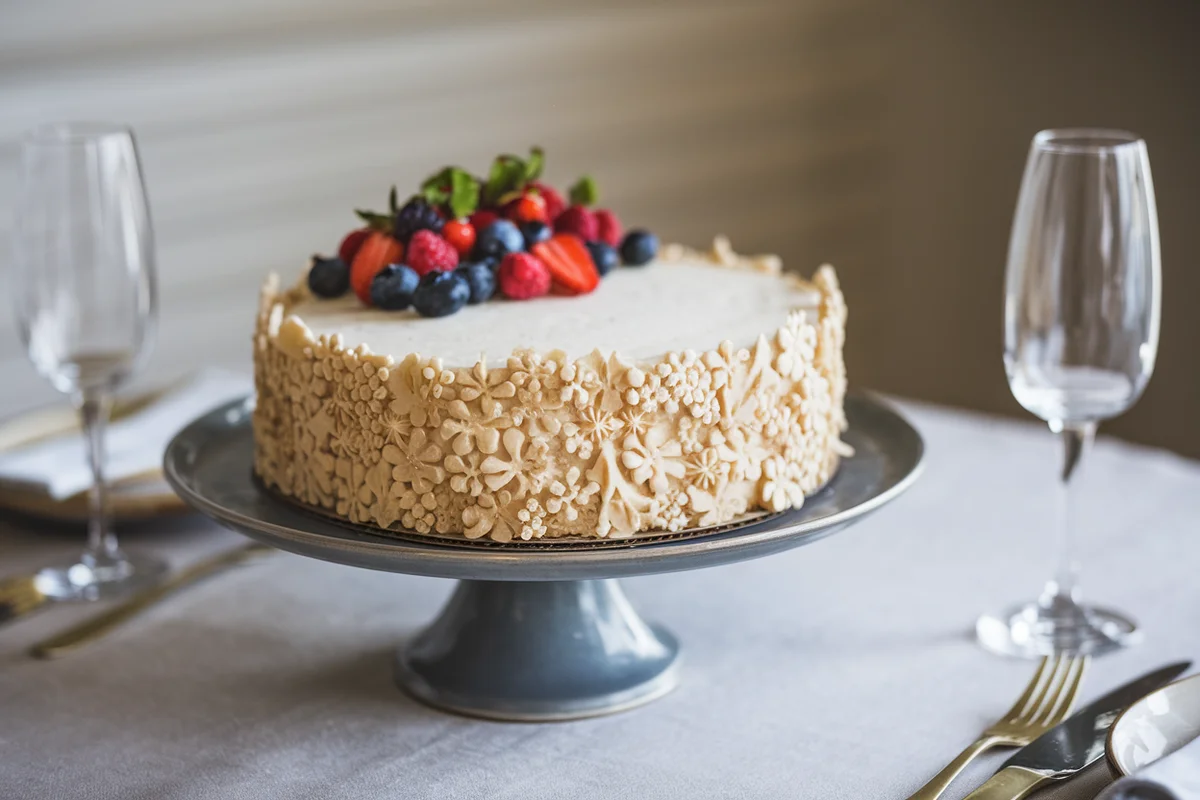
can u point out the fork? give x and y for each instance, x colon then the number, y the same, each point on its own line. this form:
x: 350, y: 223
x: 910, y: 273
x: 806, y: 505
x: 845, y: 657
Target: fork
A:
x: 19, y: 596
x: 1046, y: 701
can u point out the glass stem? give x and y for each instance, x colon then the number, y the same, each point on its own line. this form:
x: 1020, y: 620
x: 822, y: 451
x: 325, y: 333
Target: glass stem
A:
x: 1077, y: 439
x: 102, y: 551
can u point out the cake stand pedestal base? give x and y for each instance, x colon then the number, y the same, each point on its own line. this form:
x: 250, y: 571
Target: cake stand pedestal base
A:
x: 538, y: 651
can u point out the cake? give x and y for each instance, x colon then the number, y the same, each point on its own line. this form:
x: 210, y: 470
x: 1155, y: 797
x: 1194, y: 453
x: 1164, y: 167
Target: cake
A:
x: 681, y: 393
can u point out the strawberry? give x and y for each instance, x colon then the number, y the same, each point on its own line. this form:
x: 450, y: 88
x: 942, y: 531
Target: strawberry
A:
x: 578, y: 220
x: 526, y: 208
x: 376, y: 252
x: 554, y: 201
x: 569, y: 262
x: 429, y: 252
x: 461, y: 234
x: 608, y: 227
x: 348, y: 249
x: 522, y: 276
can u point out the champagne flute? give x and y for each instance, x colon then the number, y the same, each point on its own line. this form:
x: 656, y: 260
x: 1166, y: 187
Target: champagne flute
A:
x: 1081, y: 318
x: 83, y: 285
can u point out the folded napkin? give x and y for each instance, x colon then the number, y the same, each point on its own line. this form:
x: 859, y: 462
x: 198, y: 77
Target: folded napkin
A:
x: 135, y: 444
x: 1173, y: 777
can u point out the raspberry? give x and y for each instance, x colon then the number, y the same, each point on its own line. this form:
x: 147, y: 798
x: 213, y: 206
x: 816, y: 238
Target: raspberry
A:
x: 461, y: 234
x: 577, y: 220
x: 608, y: 228
x: 523, y: 276
x: 554, y: 201
x: 428, y: 252
x: 481, y: 219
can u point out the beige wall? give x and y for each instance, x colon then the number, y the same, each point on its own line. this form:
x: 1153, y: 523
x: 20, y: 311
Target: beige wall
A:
x: 887, y: 138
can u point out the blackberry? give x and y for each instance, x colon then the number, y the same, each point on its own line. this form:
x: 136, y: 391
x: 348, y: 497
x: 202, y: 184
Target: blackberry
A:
x: 416, y: 215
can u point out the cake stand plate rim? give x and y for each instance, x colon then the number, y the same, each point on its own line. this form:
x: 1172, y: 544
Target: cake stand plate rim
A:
x: 240, y: 503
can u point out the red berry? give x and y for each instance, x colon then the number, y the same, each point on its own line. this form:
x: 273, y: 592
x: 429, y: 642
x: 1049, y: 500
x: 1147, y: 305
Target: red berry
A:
x: 461, y: 235
x: 527, y: 208
x: 522, y: 276
x: 608, y: 227
x: 578, y: 220
x: 481, y: 219
x: 427, y: 251
x: 348, y: 249
x: 570, y: 263
x: 554, y: 201
x: 376, y: 252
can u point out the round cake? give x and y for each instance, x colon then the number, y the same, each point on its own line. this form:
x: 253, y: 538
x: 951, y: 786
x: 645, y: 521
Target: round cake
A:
x: 679, y: 393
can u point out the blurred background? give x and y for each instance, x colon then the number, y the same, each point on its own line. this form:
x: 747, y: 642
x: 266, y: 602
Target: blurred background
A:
x: 886, y: 138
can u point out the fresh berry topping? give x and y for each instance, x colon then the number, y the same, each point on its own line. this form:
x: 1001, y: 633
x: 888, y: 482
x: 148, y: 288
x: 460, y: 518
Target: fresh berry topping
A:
x: 498, y: 240
x: 427, y: 251
x: 393, y: 286
x: 416, y: 215
x: 328, y: 277
x: 523, y: 276
x: 481, y: 219
x: 440, y: 294
x: 534, y: 232
x: 554, y: 201
x: 569, y: 262
x: 608, y: 227
x: 527, y: 208
x: 481, y: 280
x: 461, y: 235
x: 639, y: 247
x: 577, y: 220
x: 376, y: 252
x: 604, y: 257
x: 348, y: 249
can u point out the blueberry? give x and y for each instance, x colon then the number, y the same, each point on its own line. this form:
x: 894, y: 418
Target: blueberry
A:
x: 328, y: 277
x: 440, y: 294
x: 535, y: 232
x: 604, y: 256
x: 639, y: 247
x: 480, y: 279
x: 393, y: 286
x: 499, y: 239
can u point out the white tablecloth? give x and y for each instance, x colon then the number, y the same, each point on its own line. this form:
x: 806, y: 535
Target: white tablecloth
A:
x: 842, y: 670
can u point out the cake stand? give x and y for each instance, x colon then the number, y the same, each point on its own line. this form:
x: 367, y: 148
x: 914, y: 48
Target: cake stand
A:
x: 536, y: 631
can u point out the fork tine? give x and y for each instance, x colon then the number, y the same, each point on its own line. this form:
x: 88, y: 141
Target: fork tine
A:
x: 1014, y: 713
x: 1048, y: 692
x: 1057, y: 712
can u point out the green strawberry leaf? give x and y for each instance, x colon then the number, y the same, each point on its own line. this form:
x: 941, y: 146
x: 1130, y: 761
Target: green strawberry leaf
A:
x: 375, y: 221
x: 506, y: 175
x: 535, y: 164
x: 464, y: 193
x: 584, y: 192
x: 392, y: 205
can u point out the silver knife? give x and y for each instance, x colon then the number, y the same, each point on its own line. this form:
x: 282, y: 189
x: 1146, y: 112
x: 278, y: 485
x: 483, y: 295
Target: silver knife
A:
x: 1073, y: 744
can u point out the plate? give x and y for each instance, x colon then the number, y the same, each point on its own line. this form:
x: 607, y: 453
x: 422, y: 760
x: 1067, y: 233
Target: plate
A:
x: 1155, y: 726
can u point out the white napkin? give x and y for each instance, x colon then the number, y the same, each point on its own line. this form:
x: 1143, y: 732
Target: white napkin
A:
x: 135, y: 444
x: 1174, y: 777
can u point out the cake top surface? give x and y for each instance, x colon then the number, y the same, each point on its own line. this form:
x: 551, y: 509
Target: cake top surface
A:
x: 688, y: 302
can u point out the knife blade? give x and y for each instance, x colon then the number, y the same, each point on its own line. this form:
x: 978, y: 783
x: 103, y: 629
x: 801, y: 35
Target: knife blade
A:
x: 1073, y: 744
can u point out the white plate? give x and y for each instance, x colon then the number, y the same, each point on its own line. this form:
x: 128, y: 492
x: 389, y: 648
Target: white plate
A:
x: 1155, y: 726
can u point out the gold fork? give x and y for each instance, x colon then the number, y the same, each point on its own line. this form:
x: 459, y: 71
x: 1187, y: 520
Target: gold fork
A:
x: 1046, y: 701
x: 19, y: 596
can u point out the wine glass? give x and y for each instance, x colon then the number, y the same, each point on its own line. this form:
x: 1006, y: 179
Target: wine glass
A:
x: 1081, y: 318
x: 83, y: 285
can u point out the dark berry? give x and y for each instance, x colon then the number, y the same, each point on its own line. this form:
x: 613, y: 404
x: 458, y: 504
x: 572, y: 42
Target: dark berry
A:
x: 639, y: 247
x: 392, y: 288
x: 440, y: 294
x: 328, y: 277
x: 416, y: 215
x: 604, y: 256
x: 481, y: 280
x: 498, y: 240
x: 535, y: 232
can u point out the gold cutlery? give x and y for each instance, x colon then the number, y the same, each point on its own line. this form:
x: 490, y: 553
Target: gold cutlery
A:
x: 1046, y: 701
x: 19, y: 596
x: 94, y: 628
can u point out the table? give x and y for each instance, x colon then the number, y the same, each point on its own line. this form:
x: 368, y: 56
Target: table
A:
x: 842, y: 670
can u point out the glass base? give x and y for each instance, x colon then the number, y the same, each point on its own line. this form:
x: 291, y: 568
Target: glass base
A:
x: 89, y: 582
x: 1041, y: 629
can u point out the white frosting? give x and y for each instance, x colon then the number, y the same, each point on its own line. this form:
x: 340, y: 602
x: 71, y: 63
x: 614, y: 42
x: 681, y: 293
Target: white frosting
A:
x: 629, y: 313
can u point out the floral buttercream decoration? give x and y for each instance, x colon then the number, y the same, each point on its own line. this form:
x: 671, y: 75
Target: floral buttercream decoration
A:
x: 539, y: 445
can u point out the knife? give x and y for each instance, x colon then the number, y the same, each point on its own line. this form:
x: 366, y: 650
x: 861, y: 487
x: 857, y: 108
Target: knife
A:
x: 1073, y: 744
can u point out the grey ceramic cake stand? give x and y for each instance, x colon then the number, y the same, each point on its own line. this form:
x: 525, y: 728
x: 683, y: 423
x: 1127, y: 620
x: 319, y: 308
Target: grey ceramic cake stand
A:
x: 535, y: 632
